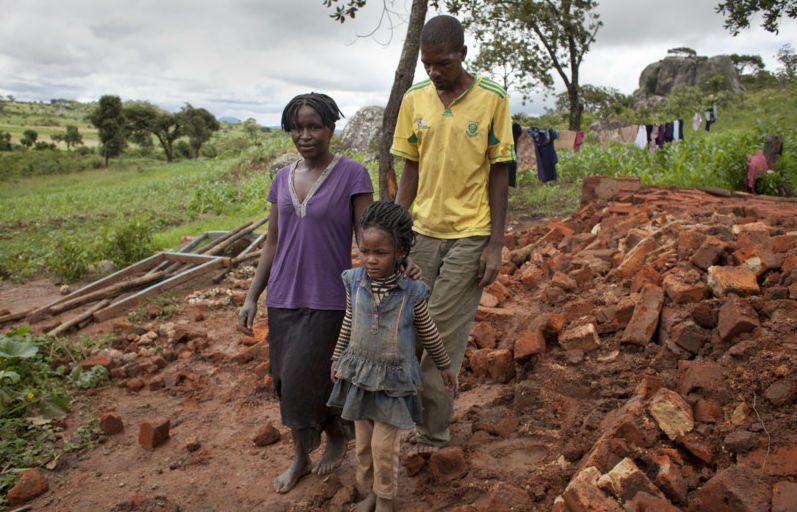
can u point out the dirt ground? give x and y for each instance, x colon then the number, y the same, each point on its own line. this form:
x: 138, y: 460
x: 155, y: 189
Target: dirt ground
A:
x: 610, y: 347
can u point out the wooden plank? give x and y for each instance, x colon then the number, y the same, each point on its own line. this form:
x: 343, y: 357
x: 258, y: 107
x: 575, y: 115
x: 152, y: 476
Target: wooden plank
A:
x: 197, y: 259
x: 129, y: 302
x: 89, y: 313
x: 204, y: 249
x: 120, y: 275
x: 14, y: 316
x: 108, y: 292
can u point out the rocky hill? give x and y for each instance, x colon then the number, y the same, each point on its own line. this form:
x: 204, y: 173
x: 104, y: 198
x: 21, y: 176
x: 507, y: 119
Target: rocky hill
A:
x: 659, y: 78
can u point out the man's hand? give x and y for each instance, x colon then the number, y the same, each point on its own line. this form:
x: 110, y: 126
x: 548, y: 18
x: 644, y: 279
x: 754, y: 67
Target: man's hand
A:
x: 489, y: 264
x: 332, y: 370
x: 450, y: 380
x: 246, y: 316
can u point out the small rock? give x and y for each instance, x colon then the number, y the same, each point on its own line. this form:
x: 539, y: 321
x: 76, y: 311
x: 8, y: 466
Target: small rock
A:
x: 268, y: 434
x: 781, y: 392
x: 192, y: 444
x: 32, y: 483
x: 740, y: 441
x: 448, y: 464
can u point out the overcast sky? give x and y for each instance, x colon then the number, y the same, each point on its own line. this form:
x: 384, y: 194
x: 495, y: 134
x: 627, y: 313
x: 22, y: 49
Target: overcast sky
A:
x: 247, y: 58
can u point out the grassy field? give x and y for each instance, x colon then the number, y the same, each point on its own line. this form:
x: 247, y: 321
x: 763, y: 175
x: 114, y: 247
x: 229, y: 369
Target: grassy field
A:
x: 47, y: 119
x: 70, y: 213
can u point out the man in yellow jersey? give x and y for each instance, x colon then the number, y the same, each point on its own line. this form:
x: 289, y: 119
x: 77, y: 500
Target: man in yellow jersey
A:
x: 455, y: 133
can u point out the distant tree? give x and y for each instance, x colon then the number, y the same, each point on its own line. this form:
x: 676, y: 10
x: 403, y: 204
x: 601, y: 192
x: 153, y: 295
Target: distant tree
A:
x: 597, y: 99
x: 252, y: 130
x: 109, y: 119
x: 5, y: 141
x: 747, y: 64
x: 199, y: 126
x: 788, y: 60
x: 402, y: 80
x: 44, y: 145
x: 684, y: 51
x: 738, y: 13
x: 145, y: 118
x: 72, y: 138
x: 548, y: 34
x: 29, y: 138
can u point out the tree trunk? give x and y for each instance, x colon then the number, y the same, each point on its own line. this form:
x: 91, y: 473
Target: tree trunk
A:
x: 405, y: 72
x: 576, y: 108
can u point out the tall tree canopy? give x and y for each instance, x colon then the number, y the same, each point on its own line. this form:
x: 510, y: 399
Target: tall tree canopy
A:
x: 745, y: 63
x: 540, y: 35
x: 199, y: 125
x: 144, y: 118
x: 109, y: 119
x: 405, y: 73
x: 738, y: 13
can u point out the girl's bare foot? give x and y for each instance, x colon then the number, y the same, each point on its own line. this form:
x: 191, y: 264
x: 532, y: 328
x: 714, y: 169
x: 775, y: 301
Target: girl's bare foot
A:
x: 384, y: 505
x: 368, y: 504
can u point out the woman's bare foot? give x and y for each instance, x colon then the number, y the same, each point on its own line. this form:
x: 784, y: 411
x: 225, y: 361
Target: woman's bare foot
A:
x: 384, y: 505
x: 334, y: 453
x: 368, y: 504
x: 287, y: 480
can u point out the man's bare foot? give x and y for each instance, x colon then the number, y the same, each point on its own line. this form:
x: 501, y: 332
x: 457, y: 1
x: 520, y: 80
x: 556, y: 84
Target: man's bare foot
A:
x: 368, y: 504
x: 384, y: 505
x: 333, y: 454
x: 287, y: 480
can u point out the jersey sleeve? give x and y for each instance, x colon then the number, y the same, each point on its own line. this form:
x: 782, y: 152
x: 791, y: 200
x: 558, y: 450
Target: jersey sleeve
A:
x: 501, y: 146
x: 405, y: 140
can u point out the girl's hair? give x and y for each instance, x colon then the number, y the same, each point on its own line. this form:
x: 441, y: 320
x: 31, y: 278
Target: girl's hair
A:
x: 395, y: 220
x: 321, y: 103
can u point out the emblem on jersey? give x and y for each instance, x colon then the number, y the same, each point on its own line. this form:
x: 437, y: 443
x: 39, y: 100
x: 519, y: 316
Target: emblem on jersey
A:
x: 421, y: 122
x: 473, y: 129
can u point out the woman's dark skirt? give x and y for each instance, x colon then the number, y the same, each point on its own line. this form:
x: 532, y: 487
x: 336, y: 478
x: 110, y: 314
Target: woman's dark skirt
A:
x: 301, y: 342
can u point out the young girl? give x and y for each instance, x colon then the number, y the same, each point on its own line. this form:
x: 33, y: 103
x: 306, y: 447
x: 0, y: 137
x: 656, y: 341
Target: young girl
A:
x: 316, y: 206
x: 374, y: 366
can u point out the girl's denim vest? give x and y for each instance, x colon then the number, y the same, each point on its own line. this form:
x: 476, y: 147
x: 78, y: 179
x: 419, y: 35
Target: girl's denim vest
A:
x: 381, y: 353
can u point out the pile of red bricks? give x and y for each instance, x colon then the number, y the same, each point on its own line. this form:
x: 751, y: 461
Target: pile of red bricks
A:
x: 697, y: 288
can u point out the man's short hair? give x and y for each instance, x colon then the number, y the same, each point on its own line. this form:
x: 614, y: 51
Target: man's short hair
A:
x: 443, y: 30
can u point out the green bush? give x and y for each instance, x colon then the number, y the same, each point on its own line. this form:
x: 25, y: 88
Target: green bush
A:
x: 20, y: 164
x: 68, y: 257
x: 127, y: 240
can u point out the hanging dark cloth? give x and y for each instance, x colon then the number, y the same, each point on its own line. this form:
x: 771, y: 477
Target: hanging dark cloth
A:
x: 661, y: 135
x: 680, y: 129
x: 668, y: 132
x: 511, y: 167
x: 545, y: 152
x: 711, y: 117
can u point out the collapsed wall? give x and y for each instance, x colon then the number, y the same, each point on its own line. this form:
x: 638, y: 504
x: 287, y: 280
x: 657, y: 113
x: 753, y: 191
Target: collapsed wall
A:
x: 674, y: 312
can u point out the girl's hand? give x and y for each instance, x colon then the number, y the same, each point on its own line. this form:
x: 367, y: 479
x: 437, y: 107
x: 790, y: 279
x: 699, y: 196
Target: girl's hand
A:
x: 332, y: 372
x: 450, y: 380
x: 246, y: 317
x: 411, y: 270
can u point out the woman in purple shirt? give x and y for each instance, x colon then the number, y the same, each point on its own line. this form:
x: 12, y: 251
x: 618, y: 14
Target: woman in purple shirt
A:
x: 316, y: 206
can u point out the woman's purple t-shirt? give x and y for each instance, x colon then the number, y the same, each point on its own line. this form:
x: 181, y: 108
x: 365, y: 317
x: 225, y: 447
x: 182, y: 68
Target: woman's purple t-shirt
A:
x: 315, y: 237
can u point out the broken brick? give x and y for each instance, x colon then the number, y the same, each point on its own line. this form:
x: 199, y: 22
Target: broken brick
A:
x: 738, y: 490
x: 635, y: 259
x: 582, y: 494
x: 736, y: 280
x: 111, y: 424
x: 500, y: 365
x: 529, y: 342
x: 646, y: 317
x: 735, y: 318
x: 684, y: 287
x: 448, y: 464
x: 583, y: 337
x: 671, y: 412
x: 708, y: 253
x: 484, y: 335
x: 153, y: 432
x: 625, y: 480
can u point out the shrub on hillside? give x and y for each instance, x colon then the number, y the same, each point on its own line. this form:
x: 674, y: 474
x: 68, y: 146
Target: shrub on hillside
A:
x: 20, y: 164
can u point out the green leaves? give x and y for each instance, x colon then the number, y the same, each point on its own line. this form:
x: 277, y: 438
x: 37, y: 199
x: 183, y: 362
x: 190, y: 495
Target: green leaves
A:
x: 10, y: 348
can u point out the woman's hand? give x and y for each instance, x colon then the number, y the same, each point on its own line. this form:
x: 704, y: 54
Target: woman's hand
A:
x: 246, y: 317
x: 332, y: 371
x: 411, y: 270
x: 450, y: 380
